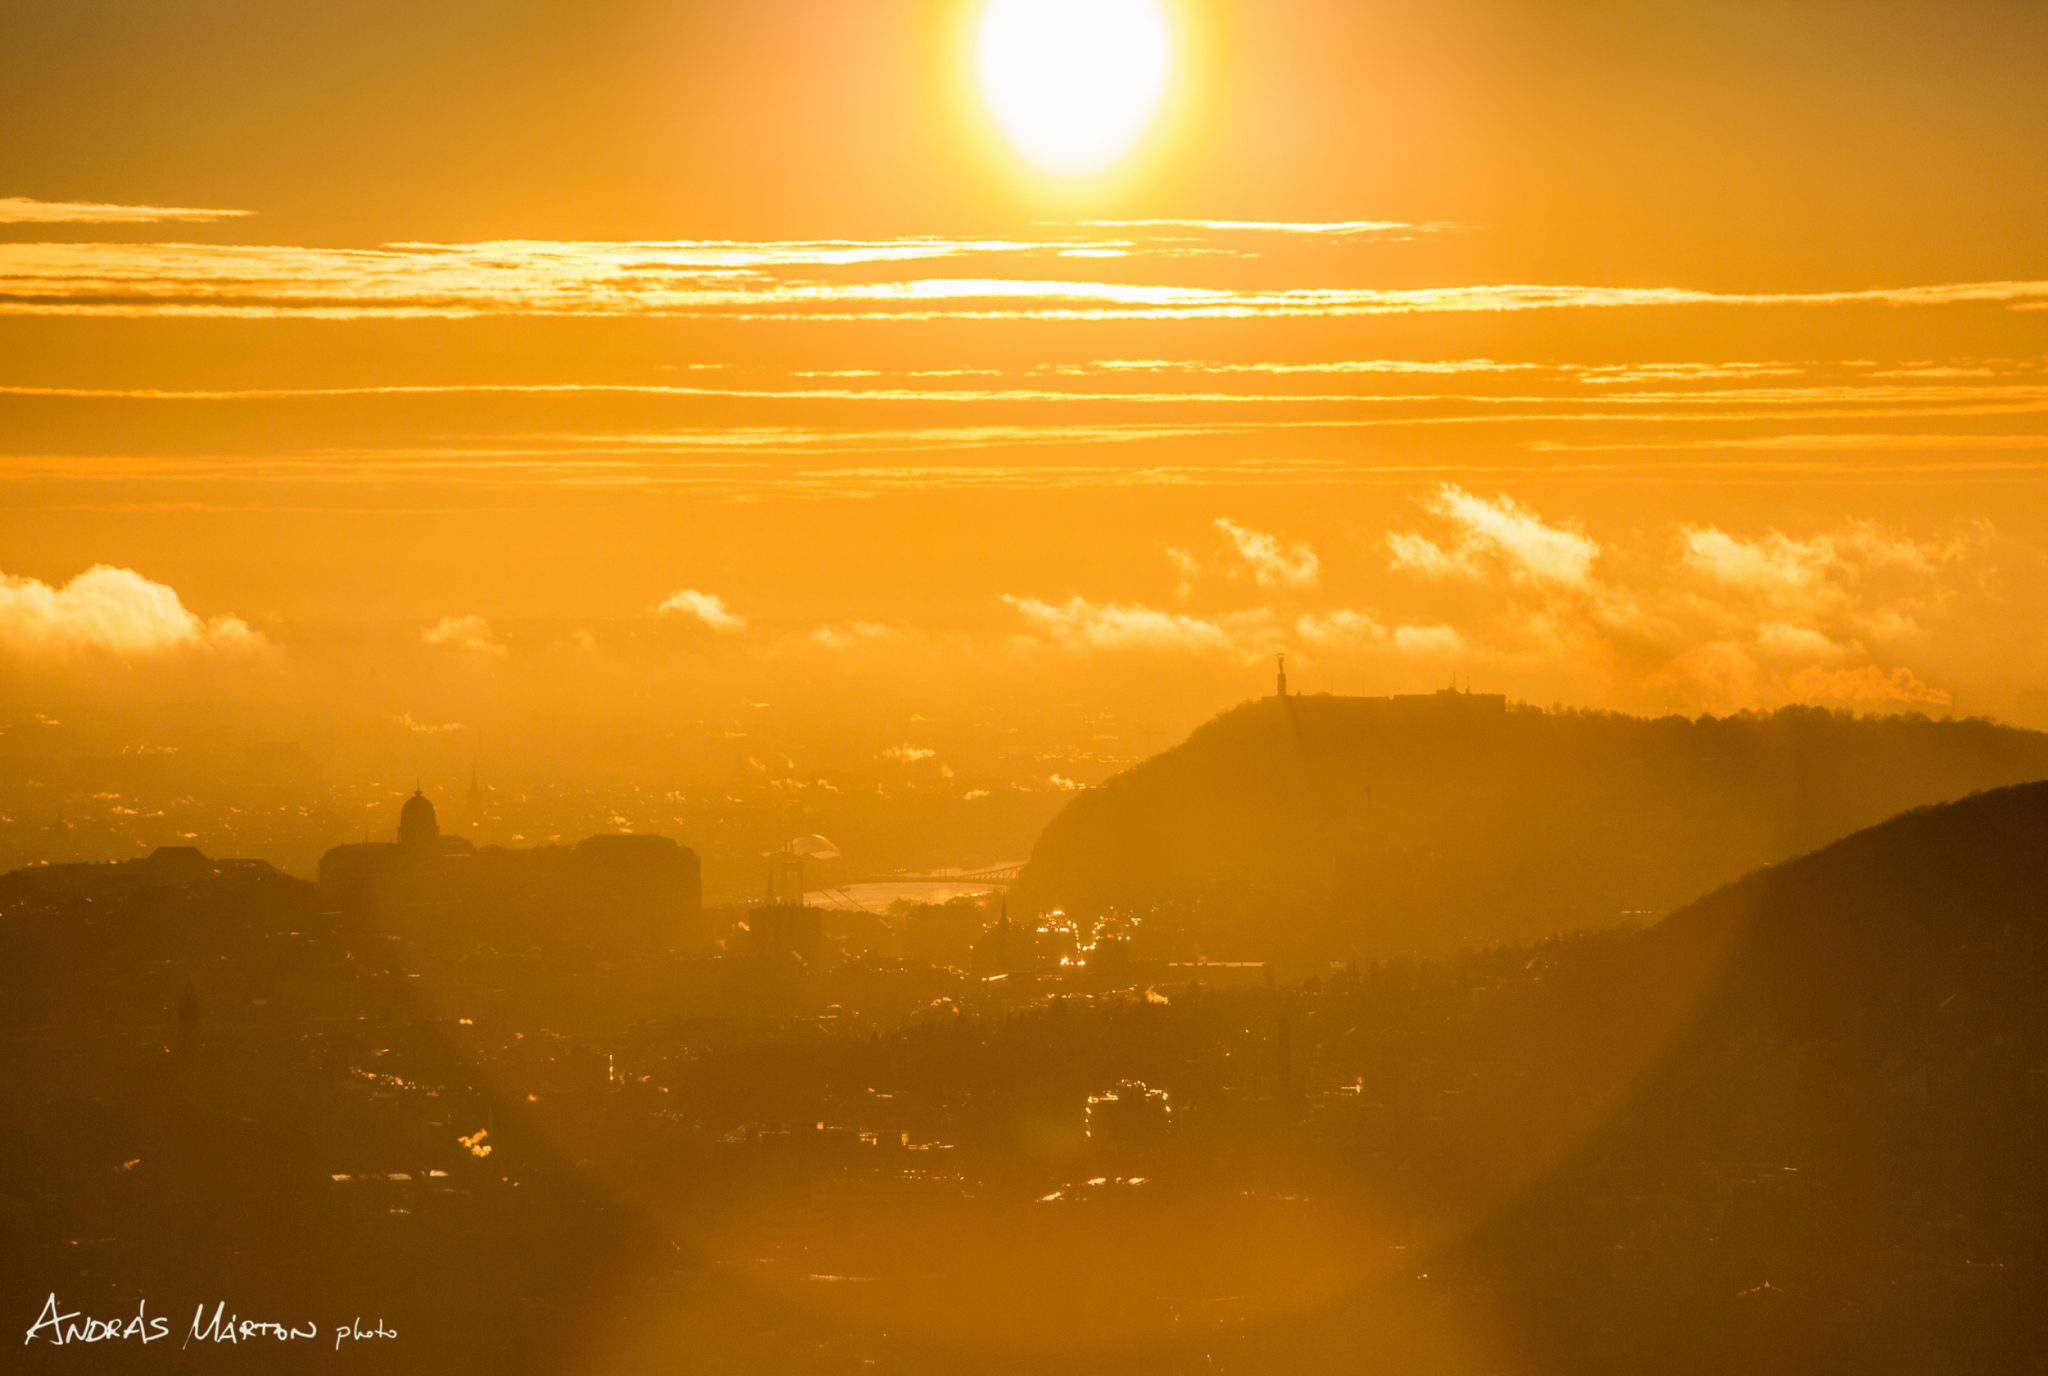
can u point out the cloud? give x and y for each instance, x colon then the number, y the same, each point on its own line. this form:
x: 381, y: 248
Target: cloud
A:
x: 1773, y: 565
x: 1867, y: 686
x: 1918, y: 442
x: 110, y: 609
x: 1746, y: 619
x: 470, y: 633
x: 429, y: 728
x: 1591, y: 373
x: 21, y: 210
x: 854, y: 634
x: 1188, y: 567
x: 882, y: 279
x: 655, y: 469
x: 1080, y: 624
x: 1784, y: 640
x: 1860, y: 577
x: 1416, y: 553
x: 1345, y: 629
x: 1341, y: 229
x: 1429, y: 640
x: 707, y: 608
x: 909, y: 754
x: 1272, y: 565
x: 1528, y: 544
x: 1341, y: 629
x: 1501, y: 530
x: 1338, y: 367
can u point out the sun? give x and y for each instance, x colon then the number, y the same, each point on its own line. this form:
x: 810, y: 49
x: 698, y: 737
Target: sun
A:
x: 1073, y: 83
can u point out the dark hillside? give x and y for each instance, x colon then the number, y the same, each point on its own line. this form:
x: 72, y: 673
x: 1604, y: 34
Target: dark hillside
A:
x: 1330, y: 826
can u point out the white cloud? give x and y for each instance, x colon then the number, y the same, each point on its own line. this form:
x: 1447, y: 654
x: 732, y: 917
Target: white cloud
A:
x: 1750, y: 620
x: 110, y: 609
x: 1530, y: 546
x: 471, y: 633
x: 1775, y: 566
x: 854, y: 634
x: 1340, y: 629
x: 1416, y: 553
x: 1786, y: 640
x: 1272, y: 564
x: 909, y: 754
x: 707, y: 608
x: 429, y: 728
x: 1348, y: 630
x: 1854, y: 583
x: 1496, y: 531
x: 1080, y: 624
x: 1429, y: 640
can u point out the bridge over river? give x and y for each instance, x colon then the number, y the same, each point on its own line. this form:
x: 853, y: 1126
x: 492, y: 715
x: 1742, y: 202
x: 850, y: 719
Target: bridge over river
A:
x: 876, y: 894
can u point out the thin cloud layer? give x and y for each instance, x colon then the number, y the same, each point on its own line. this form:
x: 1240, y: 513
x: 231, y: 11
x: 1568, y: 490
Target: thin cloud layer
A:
x: 22, y: 210
x: 1337, y: 229
x: 806, y: 279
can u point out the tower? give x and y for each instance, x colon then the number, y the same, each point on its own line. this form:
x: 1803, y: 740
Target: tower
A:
x: 475, y: 801
x: 1283, y: 675
x: 786, y: 878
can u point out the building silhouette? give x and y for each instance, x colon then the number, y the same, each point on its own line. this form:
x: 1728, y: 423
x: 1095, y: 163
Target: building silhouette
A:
x: 613, y: 892
x: 418, y: 828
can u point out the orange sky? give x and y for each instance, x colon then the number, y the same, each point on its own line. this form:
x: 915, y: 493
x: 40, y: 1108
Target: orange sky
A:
x: 472, y: 362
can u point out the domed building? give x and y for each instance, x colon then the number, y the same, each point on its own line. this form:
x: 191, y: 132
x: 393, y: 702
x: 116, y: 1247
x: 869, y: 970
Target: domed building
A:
x: 418, y: 827
x: 415, y: 866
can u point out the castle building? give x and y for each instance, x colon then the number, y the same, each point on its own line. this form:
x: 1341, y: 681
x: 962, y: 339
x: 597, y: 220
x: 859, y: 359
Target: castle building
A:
x: 614, y: 891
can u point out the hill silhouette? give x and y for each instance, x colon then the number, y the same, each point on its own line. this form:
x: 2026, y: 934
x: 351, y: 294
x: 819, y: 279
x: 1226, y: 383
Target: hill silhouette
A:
x: 1325, y: 826
x: 1845, y: 1098
x: 1925, y: 923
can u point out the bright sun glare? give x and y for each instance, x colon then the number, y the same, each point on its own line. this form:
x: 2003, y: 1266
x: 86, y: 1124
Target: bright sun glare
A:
x: 1073, y: 82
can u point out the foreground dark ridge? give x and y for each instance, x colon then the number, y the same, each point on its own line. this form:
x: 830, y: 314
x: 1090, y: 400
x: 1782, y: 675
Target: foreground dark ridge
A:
x: 1833, y: 1158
